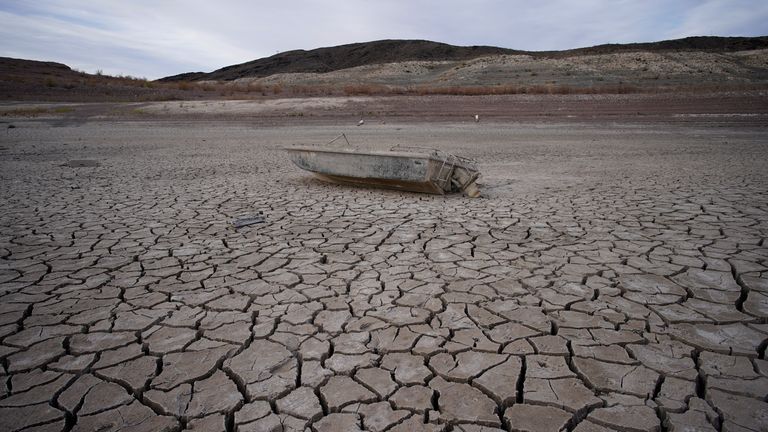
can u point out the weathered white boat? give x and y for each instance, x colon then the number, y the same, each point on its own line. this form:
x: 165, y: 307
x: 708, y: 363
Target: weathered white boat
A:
x: 405, y: 168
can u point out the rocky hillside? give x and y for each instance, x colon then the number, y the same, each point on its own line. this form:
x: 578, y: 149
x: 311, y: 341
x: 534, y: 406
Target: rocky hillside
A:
x: 343, y: 57
x: 330, y: 59
x: 25, y: 80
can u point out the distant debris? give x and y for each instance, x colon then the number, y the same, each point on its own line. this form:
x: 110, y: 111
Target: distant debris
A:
x: 82, y: 163
x: 248, y: 220
x: 361, y: 122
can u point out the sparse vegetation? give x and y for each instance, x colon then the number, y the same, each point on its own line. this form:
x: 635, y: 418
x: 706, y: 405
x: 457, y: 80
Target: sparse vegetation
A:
x: 24, y: 112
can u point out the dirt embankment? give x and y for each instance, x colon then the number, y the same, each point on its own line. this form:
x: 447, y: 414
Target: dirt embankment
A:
x: 744, y: 108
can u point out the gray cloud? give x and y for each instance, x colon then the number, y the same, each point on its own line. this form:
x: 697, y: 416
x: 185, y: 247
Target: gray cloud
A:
x: 154, y: 39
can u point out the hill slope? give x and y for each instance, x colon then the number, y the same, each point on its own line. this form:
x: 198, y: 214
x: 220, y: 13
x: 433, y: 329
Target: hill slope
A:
x: 343, y: 57
x: 329, y: 59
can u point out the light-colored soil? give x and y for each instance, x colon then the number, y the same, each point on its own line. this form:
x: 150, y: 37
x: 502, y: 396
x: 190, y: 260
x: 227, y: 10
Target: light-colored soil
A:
x: 642, y: 69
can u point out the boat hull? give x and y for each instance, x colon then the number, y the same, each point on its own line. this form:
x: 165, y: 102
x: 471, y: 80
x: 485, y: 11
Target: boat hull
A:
x: 410, y: 186
x: 409, y: 171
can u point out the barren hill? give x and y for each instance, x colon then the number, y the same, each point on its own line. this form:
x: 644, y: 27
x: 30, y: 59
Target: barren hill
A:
x: 329, y: 59
x: 38, y: 80
x: 343, y: 57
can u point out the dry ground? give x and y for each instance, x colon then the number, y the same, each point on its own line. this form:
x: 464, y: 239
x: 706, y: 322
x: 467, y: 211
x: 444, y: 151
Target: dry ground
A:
x: 613, y: 277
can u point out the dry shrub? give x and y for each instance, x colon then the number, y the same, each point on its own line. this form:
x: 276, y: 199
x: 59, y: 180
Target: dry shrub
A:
x: 312, y: 90
x: 24, y: 112
x: 255, y: 87
x: 519, y: 89
x: 366, y: 89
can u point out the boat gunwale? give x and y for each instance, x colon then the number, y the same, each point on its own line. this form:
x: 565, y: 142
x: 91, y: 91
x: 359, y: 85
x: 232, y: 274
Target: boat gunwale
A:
x: 405, y: 155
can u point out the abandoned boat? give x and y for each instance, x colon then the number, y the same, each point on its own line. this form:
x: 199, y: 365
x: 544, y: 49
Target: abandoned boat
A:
x: 405, y: 168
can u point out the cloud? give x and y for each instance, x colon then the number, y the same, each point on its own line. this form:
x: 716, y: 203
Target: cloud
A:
x: 154, y: 39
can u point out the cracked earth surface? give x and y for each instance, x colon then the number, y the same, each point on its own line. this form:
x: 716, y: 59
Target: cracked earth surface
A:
x: 615, y: 277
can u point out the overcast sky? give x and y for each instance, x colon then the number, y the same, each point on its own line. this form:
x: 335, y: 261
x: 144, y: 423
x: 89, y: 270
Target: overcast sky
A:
x: 156, y: 38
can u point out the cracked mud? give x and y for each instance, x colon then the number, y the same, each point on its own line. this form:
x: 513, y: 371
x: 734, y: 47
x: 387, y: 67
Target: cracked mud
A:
x: 614, y: 277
